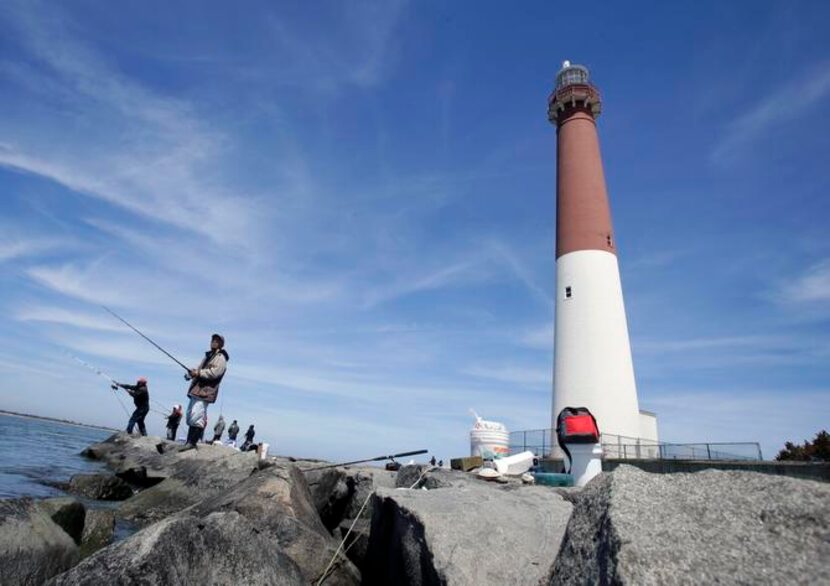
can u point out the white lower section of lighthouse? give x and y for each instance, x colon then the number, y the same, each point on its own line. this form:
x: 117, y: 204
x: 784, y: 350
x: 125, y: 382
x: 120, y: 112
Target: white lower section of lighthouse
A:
x: 592, y: 352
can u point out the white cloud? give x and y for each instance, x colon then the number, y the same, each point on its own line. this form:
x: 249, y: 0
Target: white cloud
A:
x: 811, y: 287
x: 791, y: 99
x: 538, y: 378
x: 60, y: 316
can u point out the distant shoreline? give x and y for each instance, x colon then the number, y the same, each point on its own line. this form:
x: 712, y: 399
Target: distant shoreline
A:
x: 63, y: 421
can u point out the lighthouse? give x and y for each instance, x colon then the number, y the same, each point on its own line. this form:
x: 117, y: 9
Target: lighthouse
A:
x: 592, y: 352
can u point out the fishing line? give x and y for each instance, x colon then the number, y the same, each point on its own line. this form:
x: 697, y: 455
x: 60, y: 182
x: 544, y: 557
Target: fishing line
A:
x: 112, y: 381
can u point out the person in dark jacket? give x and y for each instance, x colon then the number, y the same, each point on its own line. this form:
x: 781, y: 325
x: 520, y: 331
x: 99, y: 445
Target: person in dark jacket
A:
x: 141, y: 399
x: 249, y: 438
x: 233, y: 431
x: 173, y: 422
x: 204, y: 389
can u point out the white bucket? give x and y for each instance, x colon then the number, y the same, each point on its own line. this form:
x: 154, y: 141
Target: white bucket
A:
x: 263, y: 451
x: 515, y: 465
x: 586, y: 462
x: 489, y: 439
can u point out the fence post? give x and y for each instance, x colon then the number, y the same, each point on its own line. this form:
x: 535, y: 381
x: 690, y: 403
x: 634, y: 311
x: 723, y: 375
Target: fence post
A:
x: 708, y: 452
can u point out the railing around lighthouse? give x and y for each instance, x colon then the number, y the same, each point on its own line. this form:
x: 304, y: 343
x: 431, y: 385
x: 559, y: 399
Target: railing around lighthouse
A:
x: 540, y: 442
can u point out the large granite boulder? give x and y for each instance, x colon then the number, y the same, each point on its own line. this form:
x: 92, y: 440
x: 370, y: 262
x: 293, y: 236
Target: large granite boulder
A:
x: 329, y: 493
x: 99, y: 530
x: 339, y: 493
x: 68, y: 513
x: 473, y: 534
x: 32, y: 546
x: 221, y: 548
x: 633, y: 527
x: 175, y: 479
x: 278, y: 503
x: 102, y: 487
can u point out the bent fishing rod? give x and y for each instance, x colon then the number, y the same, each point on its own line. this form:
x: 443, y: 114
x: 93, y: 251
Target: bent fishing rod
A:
x: 139, y: 332
x: 378, y: 459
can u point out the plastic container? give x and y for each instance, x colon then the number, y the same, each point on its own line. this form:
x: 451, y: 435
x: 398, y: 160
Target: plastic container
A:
x: 262, y: 451
x: 489, y: 439
x: 553, y: 479
x: 515, y: 465
x: 586, y: 462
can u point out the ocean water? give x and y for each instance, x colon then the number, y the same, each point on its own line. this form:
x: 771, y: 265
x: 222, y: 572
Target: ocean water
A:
x: 35, y: 452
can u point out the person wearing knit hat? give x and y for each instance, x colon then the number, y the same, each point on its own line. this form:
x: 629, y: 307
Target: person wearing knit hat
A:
x: 141, y: 398
x: 204, y: 388
x: 173, y: 421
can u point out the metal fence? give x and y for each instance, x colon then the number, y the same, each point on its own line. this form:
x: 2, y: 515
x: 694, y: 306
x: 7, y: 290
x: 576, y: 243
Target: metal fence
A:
x: 542, y: 441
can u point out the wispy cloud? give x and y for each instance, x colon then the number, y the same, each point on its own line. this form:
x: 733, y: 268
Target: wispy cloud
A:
x: 13, y: 248
x: 791, y: 99
x: 538, y: 378
x: 813, y: 286
x: 537, y: 338
x: 60, y: 316
x: 133, y: 148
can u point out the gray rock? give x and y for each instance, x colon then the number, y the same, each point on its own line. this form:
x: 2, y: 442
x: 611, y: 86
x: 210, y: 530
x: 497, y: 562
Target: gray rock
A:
x: 68, y: 513
x: 103, y: 487
x: 339, y: 493
x: 357, y: 542
x: 278, y: 503
x: 472, y: 534
x: 176, y: 479
x: 99, y: 527
x: 330, y: 494
x: 222, y: 548
x: 33, y: 548
x: 633, y: 527
x: 157, y: 502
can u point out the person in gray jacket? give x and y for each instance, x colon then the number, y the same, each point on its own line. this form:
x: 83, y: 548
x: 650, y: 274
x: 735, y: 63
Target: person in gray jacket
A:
x: 218, y: 429
x: 204, y: 388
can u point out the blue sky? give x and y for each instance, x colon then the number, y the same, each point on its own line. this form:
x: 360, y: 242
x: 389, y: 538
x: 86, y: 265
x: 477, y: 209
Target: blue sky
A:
x: 360, y: 197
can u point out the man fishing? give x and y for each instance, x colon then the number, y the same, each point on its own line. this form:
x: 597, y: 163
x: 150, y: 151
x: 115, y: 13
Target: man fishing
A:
x: 233, y: 431
x: 141, y: 398
x: 173, y: 421
x: 218, y: 429
x: 204, y: 388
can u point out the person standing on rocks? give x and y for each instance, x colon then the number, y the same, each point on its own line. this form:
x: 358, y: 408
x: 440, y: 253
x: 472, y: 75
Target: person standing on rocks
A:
x: 218, y: 429
x: 141, y: 399
x: 173, y: 422
x: 249, y: 438
x: 204, y: 388
x: 233, y: 431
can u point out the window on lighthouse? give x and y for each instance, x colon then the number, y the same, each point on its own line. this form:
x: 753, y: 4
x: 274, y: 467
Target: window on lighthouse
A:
x: 567, y: 292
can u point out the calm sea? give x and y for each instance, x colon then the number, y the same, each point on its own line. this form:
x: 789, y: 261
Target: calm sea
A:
x: 34, y: 452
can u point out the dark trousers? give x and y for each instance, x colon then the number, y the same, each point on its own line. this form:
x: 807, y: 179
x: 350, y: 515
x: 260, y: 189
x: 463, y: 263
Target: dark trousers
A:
x: 171, y: 432
x: 138, y: 417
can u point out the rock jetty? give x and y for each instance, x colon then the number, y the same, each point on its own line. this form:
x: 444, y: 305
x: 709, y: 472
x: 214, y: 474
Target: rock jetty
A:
x: 218, y: 516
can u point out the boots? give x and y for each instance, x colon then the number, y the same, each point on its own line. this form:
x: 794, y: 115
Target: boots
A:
x: 193, y: 434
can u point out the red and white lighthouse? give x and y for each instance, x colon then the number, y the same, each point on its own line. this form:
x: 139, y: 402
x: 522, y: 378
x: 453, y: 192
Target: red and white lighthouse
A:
x: 592, y: 353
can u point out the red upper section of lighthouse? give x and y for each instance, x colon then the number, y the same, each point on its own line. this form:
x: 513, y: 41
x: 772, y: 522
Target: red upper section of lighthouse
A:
x: 583, y: 217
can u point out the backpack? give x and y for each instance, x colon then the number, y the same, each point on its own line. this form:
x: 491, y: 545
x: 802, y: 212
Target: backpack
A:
x: 575, y: 425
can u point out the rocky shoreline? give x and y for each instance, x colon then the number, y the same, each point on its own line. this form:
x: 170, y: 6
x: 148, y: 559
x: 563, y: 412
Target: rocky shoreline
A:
x: 218, y: 516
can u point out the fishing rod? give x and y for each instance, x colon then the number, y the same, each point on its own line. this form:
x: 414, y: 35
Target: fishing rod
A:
x: 114, y: 382
x: 137, y: 331
x: 378, y: 459
x: 102, y: 374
